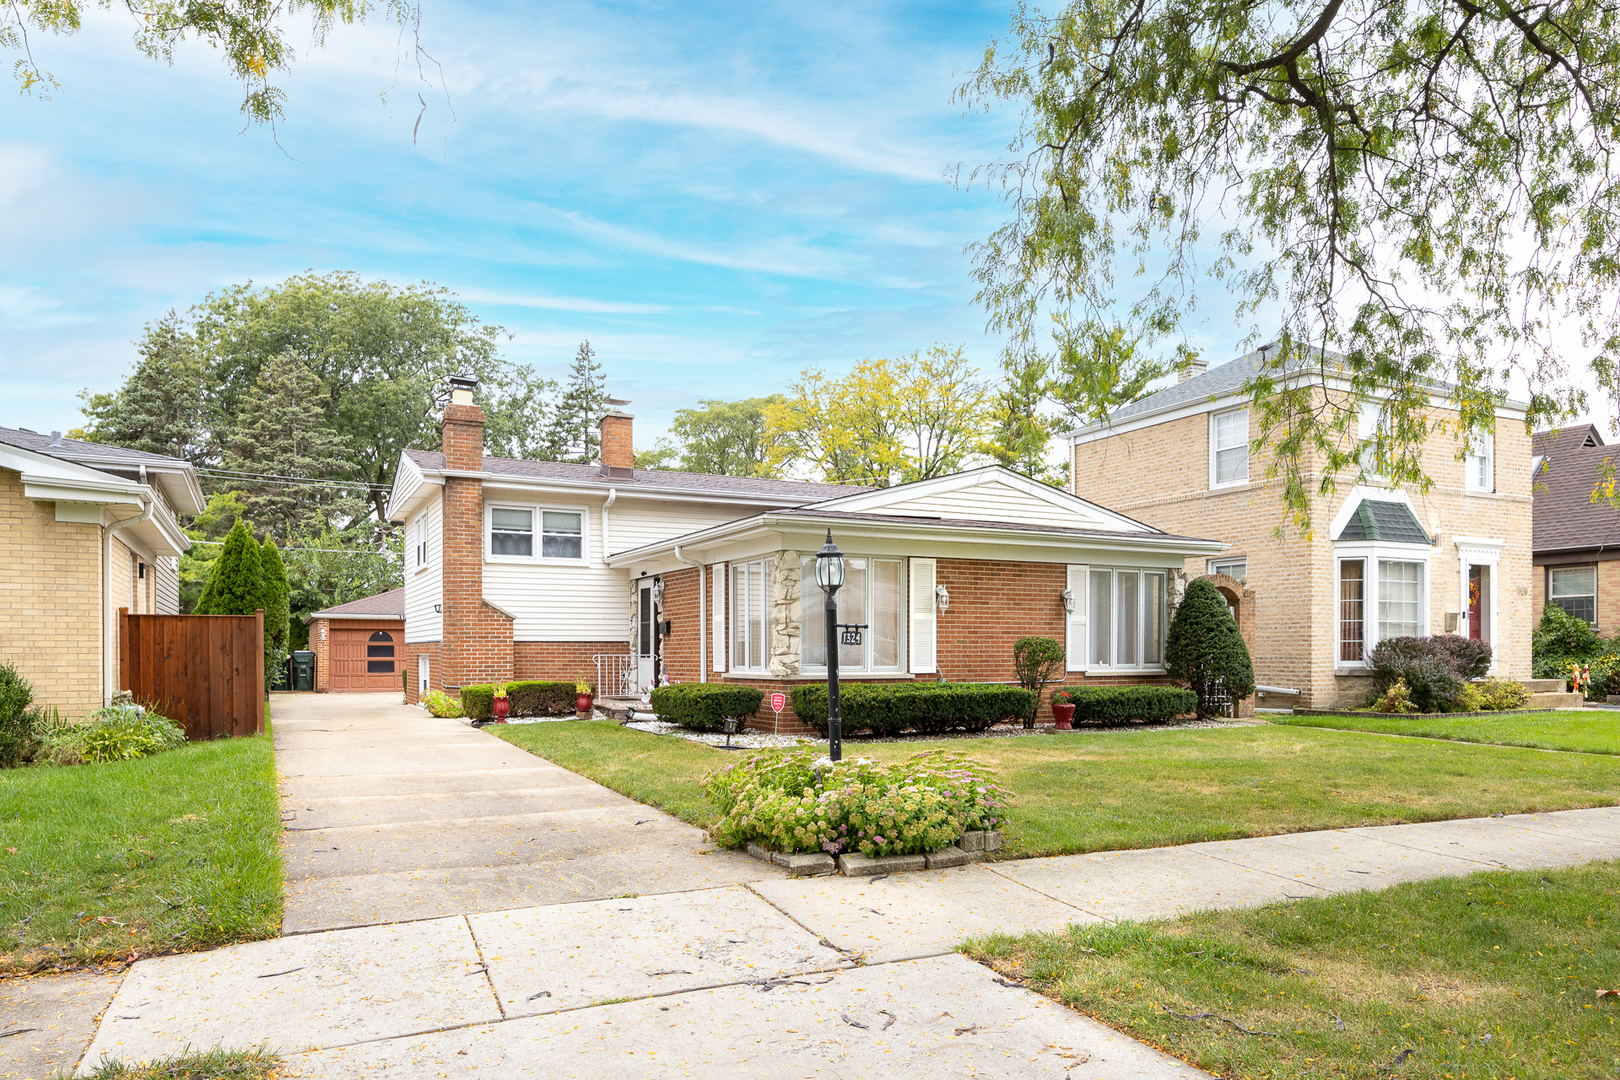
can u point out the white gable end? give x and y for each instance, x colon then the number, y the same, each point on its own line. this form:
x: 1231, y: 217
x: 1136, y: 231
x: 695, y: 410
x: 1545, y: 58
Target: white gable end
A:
x: 991, y: 494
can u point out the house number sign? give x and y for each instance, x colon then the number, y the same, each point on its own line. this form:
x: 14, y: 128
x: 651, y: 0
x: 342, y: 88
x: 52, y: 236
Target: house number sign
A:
x: 851, y: 633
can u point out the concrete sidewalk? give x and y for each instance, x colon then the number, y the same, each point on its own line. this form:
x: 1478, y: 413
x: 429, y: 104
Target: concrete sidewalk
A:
x: 392, y: 815
x: 781, y: 977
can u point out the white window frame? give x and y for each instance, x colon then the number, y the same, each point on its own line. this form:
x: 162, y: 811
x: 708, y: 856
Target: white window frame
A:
x: 1481, y: 452
x: 1215, y: 449
x: 740, y: 627
x: 539, y: 510
x: 903, y: 607
x: 1551, y: 570
x: 421, y: 542
x: 1140, y: 645
x: 1375, y: 555
x: 1224, y: 566
x: 1369, y: 424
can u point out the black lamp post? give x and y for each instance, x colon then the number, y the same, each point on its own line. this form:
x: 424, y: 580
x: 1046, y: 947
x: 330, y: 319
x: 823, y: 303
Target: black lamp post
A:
x: 830, y: 575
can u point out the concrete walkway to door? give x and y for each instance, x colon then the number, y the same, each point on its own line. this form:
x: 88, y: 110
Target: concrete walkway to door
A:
x: 392, y: 815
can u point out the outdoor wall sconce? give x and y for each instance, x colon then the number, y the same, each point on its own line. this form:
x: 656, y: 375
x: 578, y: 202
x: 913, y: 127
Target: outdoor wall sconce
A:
x: 1068, y: 601
x: 438, y: 609
x: 658, y: 591
x: 942, y: 598
x: 141, y: 572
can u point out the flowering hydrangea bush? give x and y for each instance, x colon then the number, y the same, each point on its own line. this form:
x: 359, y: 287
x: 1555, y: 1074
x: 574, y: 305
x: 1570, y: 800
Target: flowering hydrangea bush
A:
x: 790, y: 800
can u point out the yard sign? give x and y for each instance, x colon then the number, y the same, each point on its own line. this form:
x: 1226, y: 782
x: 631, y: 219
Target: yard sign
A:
x: 778, y: 703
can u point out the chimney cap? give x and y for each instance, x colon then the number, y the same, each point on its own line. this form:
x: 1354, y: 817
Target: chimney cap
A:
x: 617, y: 401
x: 464, y: 382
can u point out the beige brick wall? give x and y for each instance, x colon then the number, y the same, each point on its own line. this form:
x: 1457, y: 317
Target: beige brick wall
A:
x: 1160, y: 475
x: 50, y: 591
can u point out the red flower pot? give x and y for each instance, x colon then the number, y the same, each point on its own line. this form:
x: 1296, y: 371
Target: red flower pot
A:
x: 1063, y: 713
x: 501, y: 707
x: 582, y: 704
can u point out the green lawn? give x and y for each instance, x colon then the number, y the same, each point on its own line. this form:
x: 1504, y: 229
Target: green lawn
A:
x: 1493, y: 975
x: 165, y: 853
x: 1590, y: 731
x: 1092, y: 791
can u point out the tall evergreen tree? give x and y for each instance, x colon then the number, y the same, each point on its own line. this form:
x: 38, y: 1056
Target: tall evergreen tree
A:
x: 236, y: 586
x: 281, y: 431
x: 1204, y: 649
x: 162, y: 406
x: 580, y: 409
x: 277, y: 596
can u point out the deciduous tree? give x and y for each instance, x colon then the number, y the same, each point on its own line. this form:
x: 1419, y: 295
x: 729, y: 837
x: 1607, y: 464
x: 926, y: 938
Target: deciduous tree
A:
x: 722, y: 437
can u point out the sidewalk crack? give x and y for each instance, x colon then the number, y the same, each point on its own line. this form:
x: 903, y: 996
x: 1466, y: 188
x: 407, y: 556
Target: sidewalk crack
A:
x: 488, y: 977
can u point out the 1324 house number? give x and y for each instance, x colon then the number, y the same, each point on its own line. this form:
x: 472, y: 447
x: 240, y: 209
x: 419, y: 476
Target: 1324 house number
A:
x: 851, y: 633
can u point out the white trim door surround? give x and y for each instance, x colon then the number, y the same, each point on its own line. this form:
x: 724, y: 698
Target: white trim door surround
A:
x: 1479, y: 551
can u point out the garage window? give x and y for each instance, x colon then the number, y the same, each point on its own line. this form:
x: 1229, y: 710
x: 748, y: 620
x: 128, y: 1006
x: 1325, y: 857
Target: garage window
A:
x: 380, y: 645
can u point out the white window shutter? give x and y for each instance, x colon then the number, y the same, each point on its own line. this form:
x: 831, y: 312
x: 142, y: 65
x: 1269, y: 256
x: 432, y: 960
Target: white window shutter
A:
x: 1075, y: 623
x: 924, y: 620
x: 717, y: 576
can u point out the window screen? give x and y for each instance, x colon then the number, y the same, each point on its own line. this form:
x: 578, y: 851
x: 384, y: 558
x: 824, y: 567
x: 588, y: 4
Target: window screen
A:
x: 1352, y: 609
x: 511, y: 532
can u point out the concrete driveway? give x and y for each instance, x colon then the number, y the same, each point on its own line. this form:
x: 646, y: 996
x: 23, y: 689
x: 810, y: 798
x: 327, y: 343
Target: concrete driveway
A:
x: 392, y: 815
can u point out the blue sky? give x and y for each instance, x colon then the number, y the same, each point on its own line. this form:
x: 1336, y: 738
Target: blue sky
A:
x: 716, y: 196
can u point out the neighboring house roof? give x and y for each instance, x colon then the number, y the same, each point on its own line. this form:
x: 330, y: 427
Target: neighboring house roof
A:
x: 705, y: 483
x: 1564, y: 517
x: 384, y: 605
x: 818, y: 513
x: 175, y: 476
x: 1383, y: 521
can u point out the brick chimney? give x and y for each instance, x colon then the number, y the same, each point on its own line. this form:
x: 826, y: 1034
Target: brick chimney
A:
x: 476, y: 643
x: 618, y: 447
x: 1194, y: 369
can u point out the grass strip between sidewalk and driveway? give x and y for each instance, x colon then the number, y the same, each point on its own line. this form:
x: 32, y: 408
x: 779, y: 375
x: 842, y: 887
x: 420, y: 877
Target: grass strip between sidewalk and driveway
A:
x: 1586, y: 731
x: 211, y: 1065
x: 1495, y: 975
x: 167, y: 853
x: 1106, y: 790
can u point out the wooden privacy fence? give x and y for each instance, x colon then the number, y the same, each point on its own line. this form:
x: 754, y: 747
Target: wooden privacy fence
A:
x: 205, y: 672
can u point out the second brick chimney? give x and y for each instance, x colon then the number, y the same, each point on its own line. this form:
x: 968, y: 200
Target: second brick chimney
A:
x: 462, y: 430
x: 618, y: 447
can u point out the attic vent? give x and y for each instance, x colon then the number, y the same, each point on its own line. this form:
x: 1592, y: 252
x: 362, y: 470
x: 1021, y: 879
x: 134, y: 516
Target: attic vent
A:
x: 1591, y: 440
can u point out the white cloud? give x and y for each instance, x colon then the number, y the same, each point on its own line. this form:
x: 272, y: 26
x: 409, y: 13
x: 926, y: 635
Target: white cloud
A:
x: 559, y: 303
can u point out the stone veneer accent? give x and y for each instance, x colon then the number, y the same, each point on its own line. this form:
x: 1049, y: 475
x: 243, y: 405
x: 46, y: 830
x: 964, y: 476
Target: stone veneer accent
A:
x: 785, y: 592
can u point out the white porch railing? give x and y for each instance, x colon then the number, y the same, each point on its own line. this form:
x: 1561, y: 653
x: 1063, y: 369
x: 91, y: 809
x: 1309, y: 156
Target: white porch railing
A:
x: 615, y: 674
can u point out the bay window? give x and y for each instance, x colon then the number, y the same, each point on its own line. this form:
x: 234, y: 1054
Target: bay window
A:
x: 871, y: 594
x: 1380, y: 595
x: 1125, y: 618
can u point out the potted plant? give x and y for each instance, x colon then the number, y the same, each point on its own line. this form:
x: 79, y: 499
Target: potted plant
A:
x: 1063, y: 711
x: 583, y: 702
x: 501, y: 706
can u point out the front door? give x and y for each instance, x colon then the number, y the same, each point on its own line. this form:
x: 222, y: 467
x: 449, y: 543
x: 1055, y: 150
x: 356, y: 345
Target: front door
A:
x: 1479, y: 603
x: 646, y: 636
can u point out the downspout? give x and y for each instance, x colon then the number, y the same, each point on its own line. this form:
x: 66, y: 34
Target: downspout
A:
x: 107, y: 532
x: 613, y: 495
x: 703, y: 612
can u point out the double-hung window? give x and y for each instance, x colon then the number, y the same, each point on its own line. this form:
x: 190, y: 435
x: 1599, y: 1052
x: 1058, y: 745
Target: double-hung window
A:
x: 872, y: 593
x: 512, y: 532
x: 1126, y: 618
x: 750, y: 615
x: 1480, y: 466
x: 1574, y: 588
x: 1229, y: 447
x: 421, y: 542
x: 562, y: 534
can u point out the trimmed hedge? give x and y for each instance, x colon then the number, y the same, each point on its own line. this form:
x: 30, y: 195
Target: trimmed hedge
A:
x: 702, y: 706
x: 926, y: 708
x: 1127, y: 704
x: 533, y: 698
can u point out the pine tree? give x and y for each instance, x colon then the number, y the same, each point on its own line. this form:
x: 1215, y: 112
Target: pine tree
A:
x: 162, y: 407
x: 236, y: 587
x: 281, y: 431
x: 277, y: 596
x: 1205, y: 651
x: 580, y: 409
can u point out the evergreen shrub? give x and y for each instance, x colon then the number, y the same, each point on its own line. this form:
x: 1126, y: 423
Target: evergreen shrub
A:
x: 790, y: 800
x: 1037, y: 661
x: 1106, y: 705
x: 534, y: 697
x: 703, y: 706
x: 236, y: 584
x: 19, y: 719
x: 1204, y: 650
x: 884, y: 709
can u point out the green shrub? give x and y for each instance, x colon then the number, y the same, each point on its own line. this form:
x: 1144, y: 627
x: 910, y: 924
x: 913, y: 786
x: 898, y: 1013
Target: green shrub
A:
x: 1396, y: 699
x: 536, y: 697
x: 926, y: 708
x: 1417, y: 661
x: 114, y: 733
x: 1037, y: 661
x: 1127, y: 704
x: 1561, y: 640
x: 1204, y: 650
x: 788, y: 800
x: 702, y: 706
x: 1493, y: 695
x: 1434, y: 684
x: 19, y: 719
x: 441, y: 704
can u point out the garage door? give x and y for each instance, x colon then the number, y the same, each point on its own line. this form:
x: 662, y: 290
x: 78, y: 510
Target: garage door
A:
x: 365, y: 660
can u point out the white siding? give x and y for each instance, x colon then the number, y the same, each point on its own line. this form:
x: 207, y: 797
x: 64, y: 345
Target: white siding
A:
x: 424, y: 588
x: 633, y: 523
x: 167, y: 569
x: 996, y: 501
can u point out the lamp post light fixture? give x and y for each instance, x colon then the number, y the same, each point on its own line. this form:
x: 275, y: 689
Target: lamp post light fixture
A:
x: 830, y: 576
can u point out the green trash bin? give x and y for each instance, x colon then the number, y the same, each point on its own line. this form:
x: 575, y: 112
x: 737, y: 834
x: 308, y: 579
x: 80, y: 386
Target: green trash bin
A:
x: 302, y: 663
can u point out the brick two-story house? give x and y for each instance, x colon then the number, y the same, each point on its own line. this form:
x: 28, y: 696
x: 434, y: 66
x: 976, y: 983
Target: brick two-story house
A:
x: 1577, y: 535
x: 1379, y: 562
x: 521, y: 569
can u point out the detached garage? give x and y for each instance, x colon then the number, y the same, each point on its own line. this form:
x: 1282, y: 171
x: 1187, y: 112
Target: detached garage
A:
x: 359, y: 646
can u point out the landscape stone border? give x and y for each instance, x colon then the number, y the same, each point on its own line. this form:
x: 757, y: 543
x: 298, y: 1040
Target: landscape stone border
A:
x: 1420, y: 715
x: 970, y: 849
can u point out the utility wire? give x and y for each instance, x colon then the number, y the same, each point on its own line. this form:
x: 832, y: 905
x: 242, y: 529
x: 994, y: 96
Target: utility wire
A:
x: 332, y: 551
x: 237, y: 474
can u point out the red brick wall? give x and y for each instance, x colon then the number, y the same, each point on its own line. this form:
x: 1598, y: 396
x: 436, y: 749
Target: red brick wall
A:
x: 561, y: 659
x: 477, y: 643
x: 686, y: 624
x: 429, y: 649
x: 993, y: 604
x: 462, y: 432
x: 320, y: 643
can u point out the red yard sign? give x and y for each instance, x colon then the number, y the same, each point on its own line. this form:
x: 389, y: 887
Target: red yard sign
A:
x: 778, y: 701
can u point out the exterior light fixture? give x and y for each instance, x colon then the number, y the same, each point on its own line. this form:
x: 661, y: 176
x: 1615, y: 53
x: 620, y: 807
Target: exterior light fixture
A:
x: 942, y: 598
x: 830, y: 576
x: 1069, y: 602
x: 438, y: 609
x: 658, y: 592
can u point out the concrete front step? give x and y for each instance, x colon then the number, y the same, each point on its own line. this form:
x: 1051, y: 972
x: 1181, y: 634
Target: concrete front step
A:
x: 1556, y: 700
x: 1544, y: 686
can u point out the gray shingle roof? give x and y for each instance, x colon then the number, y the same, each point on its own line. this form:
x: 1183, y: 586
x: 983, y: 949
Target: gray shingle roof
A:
x: 1217, y: 382
x: 85, y: 453
x: 1564, y: 517
x: 1390, y: 522
x: 385, y: 605
x: 976, y: 523
x: 797, y: 490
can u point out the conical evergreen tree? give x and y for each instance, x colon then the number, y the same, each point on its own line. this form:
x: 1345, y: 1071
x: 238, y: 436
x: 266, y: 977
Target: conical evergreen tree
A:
x: 1205, y: 651
x: 236, y: 586
x: 277, y: 597
x: 581, y: 407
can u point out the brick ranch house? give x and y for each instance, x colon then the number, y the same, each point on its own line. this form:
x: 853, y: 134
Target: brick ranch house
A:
x: 1382, y: 562
x: 85, y: 529
x: 519, y: 569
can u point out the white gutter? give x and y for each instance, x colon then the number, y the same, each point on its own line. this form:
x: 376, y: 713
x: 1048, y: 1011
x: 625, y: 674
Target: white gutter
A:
x: 703, y: 611
x: 106, y: 594
x: 613, y: 497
